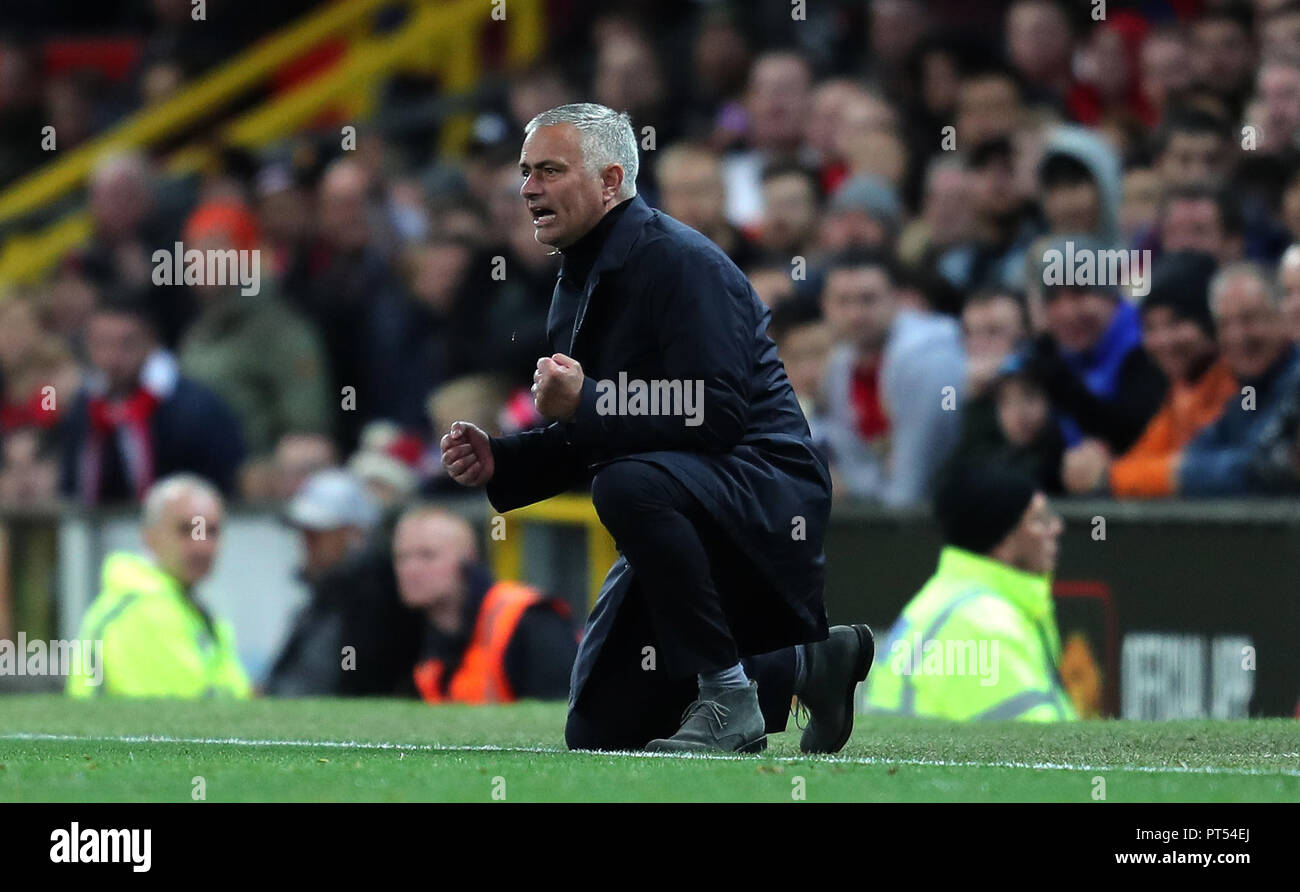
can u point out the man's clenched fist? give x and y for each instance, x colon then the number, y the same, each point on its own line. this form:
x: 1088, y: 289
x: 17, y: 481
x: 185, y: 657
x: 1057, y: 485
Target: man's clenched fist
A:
x: 467, y: 455
x: 557, y: 387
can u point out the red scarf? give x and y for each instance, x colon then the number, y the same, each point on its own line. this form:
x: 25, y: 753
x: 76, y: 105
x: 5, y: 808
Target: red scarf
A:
x: 128, y: 421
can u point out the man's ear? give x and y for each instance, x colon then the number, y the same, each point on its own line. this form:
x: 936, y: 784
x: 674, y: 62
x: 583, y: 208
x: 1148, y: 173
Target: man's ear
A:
x: 611, y: 181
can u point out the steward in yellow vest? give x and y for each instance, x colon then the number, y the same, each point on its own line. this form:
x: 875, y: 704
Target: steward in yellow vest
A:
x: 158, y: 641
x: 979, y: 640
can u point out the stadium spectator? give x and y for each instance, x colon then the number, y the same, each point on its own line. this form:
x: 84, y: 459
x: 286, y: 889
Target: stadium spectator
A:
x: 1027, y: 438
x: 892, y: 384
x: 986, y: 613
x: 1178, y: 335
x: 354, y: 296
x: 344, y: 640
x: 863, y: 215
x: 1039, y: 44
x: 29, y: 468
x: 1278, y: 89
x: 994, y: 323
x: 1224, y: 458
x: 129, y: 225
x: 252, y: 350
x: 777, y: 100
x: 484, y: 641
x: 1192, y: 148
x: 158, y: 639
x: 791, y: 203
x: 691, y: 189
x: 1166, y: 69
x: 994, y: 254
x: 1196, y: 218
x: 137, y: 419
x: 297, y: 457
x: 1090, y: 359
x: 803, y: 341
x: 1288, y: 275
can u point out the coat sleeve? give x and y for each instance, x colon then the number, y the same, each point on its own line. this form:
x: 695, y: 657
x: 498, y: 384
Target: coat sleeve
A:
x: 534, y: 465
x: 704, y: 328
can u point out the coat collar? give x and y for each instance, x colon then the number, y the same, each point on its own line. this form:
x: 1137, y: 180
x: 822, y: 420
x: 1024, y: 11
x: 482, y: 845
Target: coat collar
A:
x: 613, y: 254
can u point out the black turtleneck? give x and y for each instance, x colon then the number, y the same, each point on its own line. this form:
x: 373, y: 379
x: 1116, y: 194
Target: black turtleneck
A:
x: 581, y: 256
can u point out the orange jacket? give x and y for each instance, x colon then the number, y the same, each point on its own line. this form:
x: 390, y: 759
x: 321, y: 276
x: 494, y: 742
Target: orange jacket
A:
x: 481, y: 677
x: 1147, y: 469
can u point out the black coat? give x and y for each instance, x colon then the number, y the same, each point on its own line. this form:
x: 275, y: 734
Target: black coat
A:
x: 662, y: 302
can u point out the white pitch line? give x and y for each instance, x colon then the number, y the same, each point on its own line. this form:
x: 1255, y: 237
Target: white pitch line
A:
x: 542, y: 750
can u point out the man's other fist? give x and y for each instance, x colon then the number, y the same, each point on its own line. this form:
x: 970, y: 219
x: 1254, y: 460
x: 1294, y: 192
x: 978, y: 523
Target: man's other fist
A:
x: 467, y: 455
x: 557, y: 387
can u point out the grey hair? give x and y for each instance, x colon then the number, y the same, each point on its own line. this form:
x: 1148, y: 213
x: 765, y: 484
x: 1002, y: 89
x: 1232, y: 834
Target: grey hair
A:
x: 169, y: 488
x: 606, y: 137
x: 1244, y: 269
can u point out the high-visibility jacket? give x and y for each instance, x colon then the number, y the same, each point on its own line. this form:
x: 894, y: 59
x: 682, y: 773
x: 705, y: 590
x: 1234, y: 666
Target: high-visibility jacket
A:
x: 978, y: 641
x: 481, y: 676
x: 155, y: 640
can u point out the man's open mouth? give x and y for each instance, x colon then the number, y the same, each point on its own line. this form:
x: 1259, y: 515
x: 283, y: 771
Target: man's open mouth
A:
x: 542, y: 216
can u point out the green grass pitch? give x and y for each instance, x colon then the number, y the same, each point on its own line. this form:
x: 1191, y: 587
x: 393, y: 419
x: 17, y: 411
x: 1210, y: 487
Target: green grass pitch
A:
x: 52, y: 749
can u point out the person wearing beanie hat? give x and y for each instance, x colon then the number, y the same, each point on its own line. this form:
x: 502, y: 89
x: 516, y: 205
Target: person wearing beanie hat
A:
x: 979, y: 640
x: 1178, y: 333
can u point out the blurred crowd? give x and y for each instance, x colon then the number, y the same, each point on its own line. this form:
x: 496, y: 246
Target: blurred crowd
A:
x: 893, y: 177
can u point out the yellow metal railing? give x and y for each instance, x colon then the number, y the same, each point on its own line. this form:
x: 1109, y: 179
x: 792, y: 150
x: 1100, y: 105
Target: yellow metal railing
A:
x: 567, y: 510
x: 438, y: 37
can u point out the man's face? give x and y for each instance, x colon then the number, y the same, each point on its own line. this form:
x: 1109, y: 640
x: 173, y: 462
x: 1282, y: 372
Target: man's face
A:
x: 1222, y: 54
x: 1279, y: 89
x: 1251, y: 334
x: 325, y: 549
x: 1023, y: 411
x: 1192, y: 225
x: 1038, y: 37
x: 185, y: 548
x: 428, y: 554
x: 987, y: 106
x: 1141, y: 206
x: 992, y: 327
x: 566, y: 199
x: 1078, y: 317
x: 995, y: 188
x: 803, y: 350
x: 860, y: 304
x: 1291, y: 299
x: 342, y: 208
x: 1177, y: 345
x: 1072, y: 207
x: 692, y: 191
x: 1192, y: 159
x: 1165, y: 70
x: 1033, y: 545
x: 778, y: 101
x: 789, y: 213
x: 118, y: 345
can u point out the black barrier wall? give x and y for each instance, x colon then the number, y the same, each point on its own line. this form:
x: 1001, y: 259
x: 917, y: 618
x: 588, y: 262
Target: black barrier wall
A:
x: 1203, y: 608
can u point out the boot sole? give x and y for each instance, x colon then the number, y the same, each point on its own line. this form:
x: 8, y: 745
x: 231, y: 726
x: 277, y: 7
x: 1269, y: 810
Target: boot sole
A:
x: 866, y: 653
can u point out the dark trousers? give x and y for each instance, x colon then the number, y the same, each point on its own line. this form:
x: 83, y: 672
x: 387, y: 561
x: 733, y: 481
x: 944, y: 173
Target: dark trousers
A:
x: 684, y: 566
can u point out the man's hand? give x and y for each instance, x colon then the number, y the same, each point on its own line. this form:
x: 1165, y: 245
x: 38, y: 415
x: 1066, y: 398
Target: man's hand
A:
x: 1085, y: 467
x: 467, y: 455
x: 557, y: 387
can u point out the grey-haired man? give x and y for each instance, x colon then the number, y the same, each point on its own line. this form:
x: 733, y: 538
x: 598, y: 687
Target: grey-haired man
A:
x: 718, y: 508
